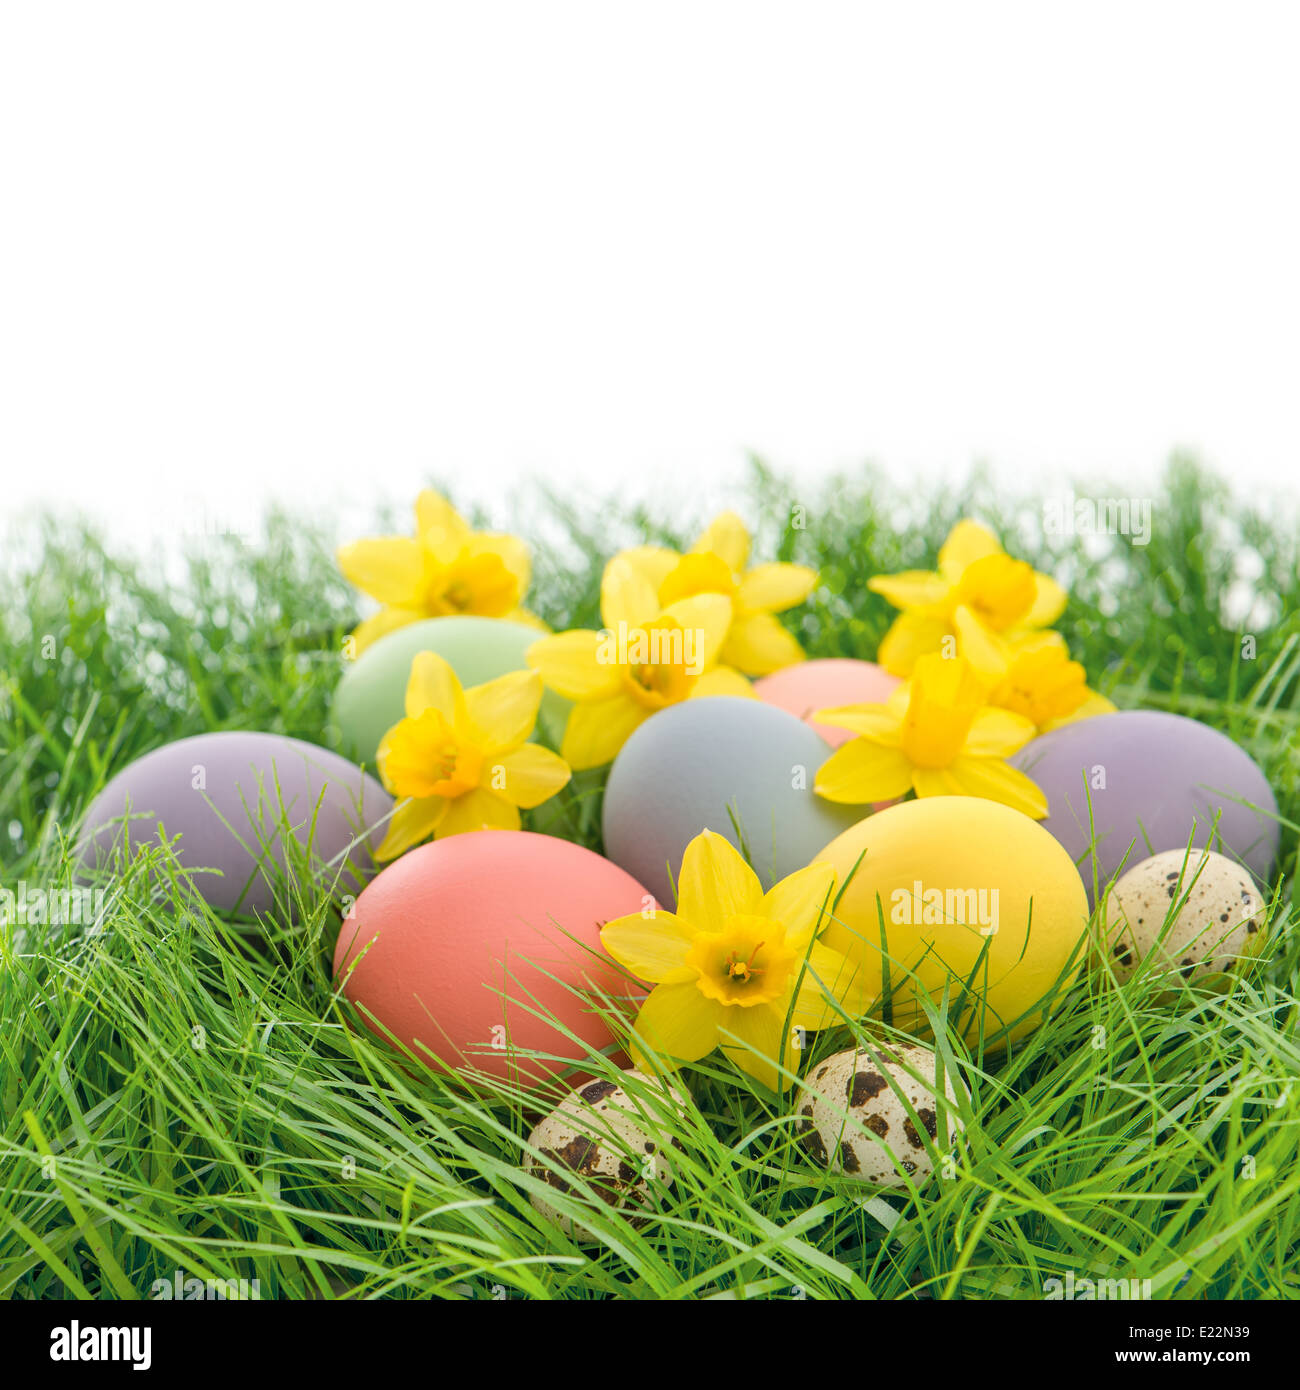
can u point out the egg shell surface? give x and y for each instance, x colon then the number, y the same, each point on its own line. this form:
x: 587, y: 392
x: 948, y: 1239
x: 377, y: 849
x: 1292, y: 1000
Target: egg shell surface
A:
x: 953, y: 874
x: 371, y: 696
x: 216, y: 790
x: 826, y: 684
x: 460, y: 943
x: 616, y: 1141
x: 693, y: 766
x: 1162, y: 774
x: 847, y: 1099
x: 1220, y: 920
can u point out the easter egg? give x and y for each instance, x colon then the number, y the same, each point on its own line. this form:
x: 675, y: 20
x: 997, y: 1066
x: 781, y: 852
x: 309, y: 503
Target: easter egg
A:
x: 616, y: 1139
x: 371, y: 696
x: 469, y: 949
x: 948, y: 889
x: 718, y: 763
x: 825, y: 684
x: 229, y: 796
x: 1218, y: 915
x: 853, y: 1119
x: 1148, y: 780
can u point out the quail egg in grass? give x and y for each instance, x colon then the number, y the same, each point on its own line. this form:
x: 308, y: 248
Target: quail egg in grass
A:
x: 852, y: 1119
x: 613, y: 1138
x: 1211, y: 905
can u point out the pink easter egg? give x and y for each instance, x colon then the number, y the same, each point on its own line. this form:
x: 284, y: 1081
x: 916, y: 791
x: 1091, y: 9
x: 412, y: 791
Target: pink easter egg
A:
x: 459, y: 945
x: 814, y: 685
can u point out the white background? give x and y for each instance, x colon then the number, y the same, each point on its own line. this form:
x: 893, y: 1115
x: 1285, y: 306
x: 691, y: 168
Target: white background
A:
x: 322, y: 251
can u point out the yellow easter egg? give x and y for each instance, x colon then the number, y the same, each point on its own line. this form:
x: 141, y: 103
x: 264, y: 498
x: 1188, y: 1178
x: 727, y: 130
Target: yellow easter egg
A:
x: 957, y: 896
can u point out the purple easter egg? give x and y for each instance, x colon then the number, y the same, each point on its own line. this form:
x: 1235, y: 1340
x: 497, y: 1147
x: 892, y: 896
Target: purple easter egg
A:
x: 228, y: 796
x: 1151, y: 778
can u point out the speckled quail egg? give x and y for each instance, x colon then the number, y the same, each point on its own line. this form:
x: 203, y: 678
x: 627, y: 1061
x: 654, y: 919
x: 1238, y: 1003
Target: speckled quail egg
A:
x: 851, y: 1120
x: 613, y: 1140
x: 1221, y: 916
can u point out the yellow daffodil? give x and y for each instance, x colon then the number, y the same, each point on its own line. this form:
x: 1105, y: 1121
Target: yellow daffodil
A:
x: 755, y: 643
x: 445, y: 569
x: 461, y: 757
x: 735, y: 967
x: 935, y: 735
x: 1043, y: 684
x: 647, y: 657
x: 980, y: 598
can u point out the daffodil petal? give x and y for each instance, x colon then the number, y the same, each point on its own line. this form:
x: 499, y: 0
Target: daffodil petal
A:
x: 758, y: 645
x: 878, y: 722
x: 830, y: 975
x: 967, y: 542
x: 597, y: 729
x: 911, y: 588
x: 529, y: 775
x: 997, y: 733
x: 722, y: 680
x: 700, y: 572
x: 411, y: 822
x: 987, y: 654
x: 626, y: 595
x: 709, y: 617
x: 911, y: 636
x: 478, y: 810
x: 1092, y: 705
x: 1049, y: 602
x: 799, y: 900
x: 526, y: 619
x: 441, y: 529
x: 989, y: 778
x: 1022, y: 640
x: 1095, y: 704
x: 388, y: 568
x: 433, y: 684
x: 776, y: 587
x: 727, y: 537
x: 504, y: 710
x: 677, y: 1021
x: 389, y: 619
x: 715, y: 883
x: 759, y: 1033
x: 936, y: 781
x: 570, y: 665
x: 655, y: 562
x: 653, y: 948
x: 863, y: 770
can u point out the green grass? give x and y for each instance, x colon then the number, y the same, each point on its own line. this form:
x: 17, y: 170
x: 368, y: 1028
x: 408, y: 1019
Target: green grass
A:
x: 179, y: 1092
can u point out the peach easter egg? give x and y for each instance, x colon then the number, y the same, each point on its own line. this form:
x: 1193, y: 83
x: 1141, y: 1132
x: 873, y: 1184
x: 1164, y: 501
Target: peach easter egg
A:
x: 814, y: 685
x: 469, y: 950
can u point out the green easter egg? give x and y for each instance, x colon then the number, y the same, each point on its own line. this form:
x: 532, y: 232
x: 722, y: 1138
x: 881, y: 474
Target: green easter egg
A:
x: 371, y: 697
